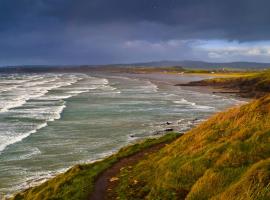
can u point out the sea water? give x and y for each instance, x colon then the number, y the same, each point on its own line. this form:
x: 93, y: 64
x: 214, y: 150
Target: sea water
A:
x: 49, y: 122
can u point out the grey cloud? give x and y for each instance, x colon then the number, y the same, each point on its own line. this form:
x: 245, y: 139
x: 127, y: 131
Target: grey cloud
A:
x: 96, y: 31
x: 241, y: 19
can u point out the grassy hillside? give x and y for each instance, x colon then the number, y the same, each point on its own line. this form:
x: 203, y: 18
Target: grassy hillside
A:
x: 250, y: 85
x: 227, y: 157
x: 77, y: 183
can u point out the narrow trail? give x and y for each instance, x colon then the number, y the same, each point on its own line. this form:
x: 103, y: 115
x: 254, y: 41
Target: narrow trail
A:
x: 104, y: 186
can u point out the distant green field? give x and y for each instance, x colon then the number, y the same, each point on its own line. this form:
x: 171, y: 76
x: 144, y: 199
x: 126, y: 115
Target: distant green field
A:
x: 181, y: 70
x: 249, y: 84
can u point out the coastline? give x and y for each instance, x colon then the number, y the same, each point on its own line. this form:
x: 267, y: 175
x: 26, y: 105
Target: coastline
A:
x: 182, y: 81
x: 86, y: 174
x: 168, y: 80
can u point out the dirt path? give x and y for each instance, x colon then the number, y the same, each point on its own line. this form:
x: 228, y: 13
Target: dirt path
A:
x: 103, y: 185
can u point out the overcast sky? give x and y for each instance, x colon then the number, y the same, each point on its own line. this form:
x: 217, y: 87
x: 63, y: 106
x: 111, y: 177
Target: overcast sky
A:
x: 122, y: 31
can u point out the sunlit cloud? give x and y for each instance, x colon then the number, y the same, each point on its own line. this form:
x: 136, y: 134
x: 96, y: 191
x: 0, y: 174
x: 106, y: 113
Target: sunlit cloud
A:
x: 236, y: 50
x: 216, y: 50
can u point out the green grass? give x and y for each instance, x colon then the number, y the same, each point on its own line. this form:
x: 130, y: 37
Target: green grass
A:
x: 254, y: 83
x: 179, y: 69
x: 227, y: 157
x: 77, y: 183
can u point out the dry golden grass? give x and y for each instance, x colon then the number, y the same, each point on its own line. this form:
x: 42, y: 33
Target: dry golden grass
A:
x: 226, y: 157
x: 77, y: 183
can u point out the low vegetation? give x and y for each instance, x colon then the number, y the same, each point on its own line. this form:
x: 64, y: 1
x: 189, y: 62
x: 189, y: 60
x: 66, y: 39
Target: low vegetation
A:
x: 227, y: 157
x: 251, y: 85
x: 181, y: 70
x: 77, y: 183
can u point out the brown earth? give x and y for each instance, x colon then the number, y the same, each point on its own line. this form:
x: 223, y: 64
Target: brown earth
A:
x: 107, y: 181
x: 240, y: 87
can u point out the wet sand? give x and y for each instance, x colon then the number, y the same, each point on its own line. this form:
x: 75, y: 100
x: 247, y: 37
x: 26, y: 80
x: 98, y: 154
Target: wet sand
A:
x: 107, y: 181
x: 171, y: 80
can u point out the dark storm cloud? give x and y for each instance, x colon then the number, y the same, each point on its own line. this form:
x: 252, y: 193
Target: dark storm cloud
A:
x: 100, y: 31
x: 235, y: 19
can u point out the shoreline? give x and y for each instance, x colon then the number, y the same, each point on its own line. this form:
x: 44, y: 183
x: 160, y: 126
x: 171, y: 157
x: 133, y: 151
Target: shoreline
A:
x: 80, y: 172
x: 176, y: 80
x: 107, y: 181
x: 169, y: 83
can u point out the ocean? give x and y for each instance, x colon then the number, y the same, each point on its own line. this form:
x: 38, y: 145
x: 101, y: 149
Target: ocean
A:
x: 50, y: 122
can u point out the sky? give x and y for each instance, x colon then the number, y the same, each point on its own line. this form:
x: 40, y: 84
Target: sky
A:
x: 48, y: 32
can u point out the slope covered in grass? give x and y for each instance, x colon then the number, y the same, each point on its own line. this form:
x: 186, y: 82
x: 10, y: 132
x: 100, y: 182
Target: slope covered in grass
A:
x: 77, y: 183
x: 227, y: 157
x: 250, y: 85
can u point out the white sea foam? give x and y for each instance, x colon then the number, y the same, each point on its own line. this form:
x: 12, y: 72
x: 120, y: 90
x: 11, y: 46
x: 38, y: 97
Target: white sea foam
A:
x: 28, y: 153
x: 193, y: 104
x: 54, y: 97
x: 184, y: 101
x: 34, y: 90
x: 9, y: 139
x: 77, y: 91
x: 33, y: 152
x: 31, y: 99
x: 33, y: 180
x: 204, y: 107
x: 48, y: 113
x: 58, y: 112
x: 151, y: 86
x: 107, y: 87
x: 99, y: 81
x: 148, y: 87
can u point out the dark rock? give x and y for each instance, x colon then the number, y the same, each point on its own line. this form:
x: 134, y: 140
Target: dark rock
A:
x: 157, y: 133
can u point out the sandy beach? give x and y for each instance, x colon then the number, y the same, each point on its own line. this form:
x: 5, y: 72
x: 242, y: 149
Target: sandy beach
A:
x: 172, y: 80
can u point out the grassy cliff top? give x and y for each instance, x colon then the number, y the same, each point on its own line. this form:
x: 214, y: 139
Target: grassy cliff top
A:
x: 227, y: 157
x: 250, y: 85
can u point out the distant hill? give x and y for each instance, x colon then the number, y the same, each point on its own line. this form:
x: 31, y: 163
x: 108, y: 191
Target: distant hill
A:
x: 113, y: 67
x: 205, y: 65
